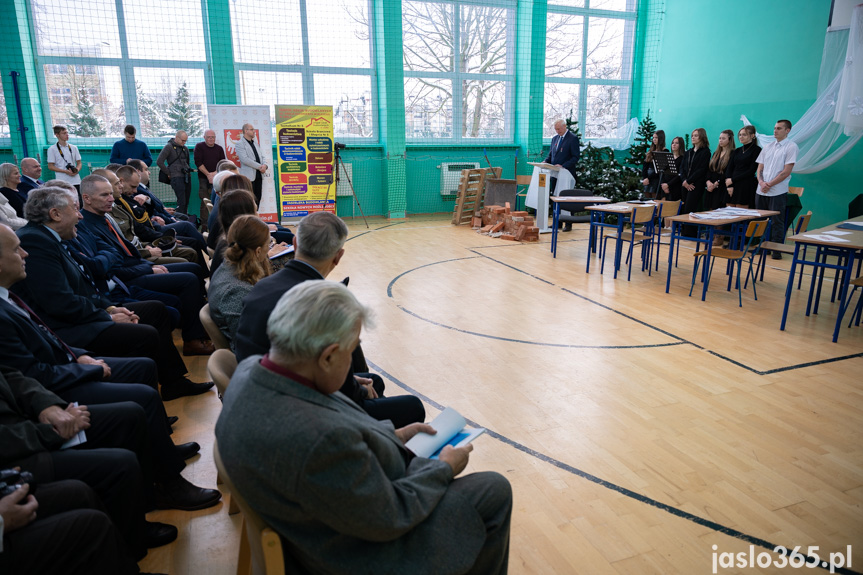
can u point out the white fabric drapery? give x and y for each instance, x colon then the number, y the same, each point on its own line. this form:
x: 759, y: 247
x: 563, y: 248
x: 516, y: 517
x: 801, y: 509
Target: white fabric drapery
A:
x: 837, y: 111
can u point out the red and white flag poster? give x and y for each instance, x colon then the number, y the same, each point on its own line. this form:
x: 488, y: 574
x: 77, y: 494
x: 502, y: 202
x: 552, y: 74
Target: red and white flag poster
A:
x: 227, y: 122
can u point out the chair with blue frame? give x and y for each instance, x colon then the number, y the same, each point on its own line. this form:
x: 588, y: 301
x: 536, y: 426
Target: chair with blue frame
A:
x: 858, y: 311
x: 802, y: 226
x: 664, y: 209
x: 754, y: 238
x: 641, y: 231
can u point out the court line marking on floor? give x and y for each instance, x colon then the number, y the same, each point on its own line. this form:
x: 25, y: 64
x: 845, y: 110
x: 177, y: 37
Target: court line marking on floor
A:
x: 682, y: 340
x: 719, y: 528
x: 526, y: 342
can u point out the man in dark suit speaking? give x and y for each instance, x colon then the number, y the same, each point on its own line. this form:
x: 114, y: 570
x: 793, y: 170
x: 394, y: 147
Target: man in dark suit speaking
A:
x: 563, y: 153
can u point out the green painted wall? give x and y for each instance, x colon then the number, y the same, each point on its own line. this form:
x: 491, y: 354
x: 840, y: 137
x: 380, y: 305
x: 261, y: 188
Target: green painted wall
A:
x: 762, y: 59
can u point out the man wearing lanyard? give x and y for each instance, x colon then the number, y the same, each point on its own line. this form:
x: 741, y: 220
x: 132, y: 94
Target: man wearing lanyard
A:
x: 252, y: 165
x: 64, y: 159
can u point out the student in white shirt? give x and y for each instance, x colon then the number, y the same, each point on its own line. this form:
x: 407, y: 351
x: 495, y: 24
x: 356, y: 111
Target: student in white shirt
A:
x: 775, y: 163
x: 65, y: 159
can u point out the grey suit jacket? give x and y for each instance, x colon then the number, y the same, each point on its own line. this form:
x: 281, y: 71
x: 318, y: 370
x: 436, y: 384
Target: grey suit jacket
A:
x: 248, y: 165
x: 338, y: 486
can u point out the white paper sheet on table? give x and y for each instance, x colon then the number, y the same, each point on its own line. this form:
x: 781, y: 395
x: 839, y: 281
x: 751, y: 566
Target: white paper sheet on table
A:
x: 838, y: 233
x: 824, y: 238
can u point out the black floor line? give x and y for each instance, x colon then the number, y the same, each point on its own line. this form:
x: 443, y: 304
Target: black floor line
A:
x: 389, y: 226
x: 358, y: 235
x: 527, y: 342
x: 607, y: 484
x: 669, y: 334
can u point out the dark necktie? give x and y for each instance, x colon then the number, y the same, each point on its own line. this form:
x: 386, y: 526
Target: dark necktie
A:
x: 47, y: 331
x: 254, y: 151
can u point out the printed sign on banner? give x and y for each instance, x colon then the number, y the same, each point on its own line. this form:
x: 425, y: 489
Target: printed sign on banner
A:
x: 227, y: 122
x: 305, y: 150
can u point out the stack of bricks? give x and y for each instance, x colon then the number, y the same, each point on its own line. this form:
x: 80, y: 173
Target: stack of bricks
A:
x: 502, y: 222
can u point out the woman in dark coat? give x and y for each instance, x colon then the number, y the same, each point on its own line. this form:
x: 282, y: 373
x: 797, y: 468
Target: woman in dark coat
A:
x: 740, y: 172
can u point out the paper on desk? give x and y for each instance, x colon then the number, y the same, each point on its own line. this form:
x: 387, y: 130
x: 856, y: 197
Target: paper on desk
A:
x: 621, y: 208
x: 852, y: 225
x: 712, y: 216
x: 824, y: 238
x: 838, y: 233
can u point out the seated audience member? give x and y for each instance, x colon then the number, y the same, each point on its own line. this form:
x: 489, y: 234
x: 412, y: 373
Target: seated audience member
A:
x: 213, y: 218
x: 319, y: 247
x: 238, y: 203
x: 717, y: 194
x: 342, y: 490
x: 184, y: 281
x: 185, y: 230
x: 670, y: 189
x: 154, y: 205
x: 68, y: 519
x: 31, y: 174
x: 11, y: 204
x: 65, y: 296
x: 189, y: 247
x: 218, y: 231
x: 117, y: 460
x: 126, y: 224
x: 740, y: 173
x: 246, y: 262
x: 650, y: 177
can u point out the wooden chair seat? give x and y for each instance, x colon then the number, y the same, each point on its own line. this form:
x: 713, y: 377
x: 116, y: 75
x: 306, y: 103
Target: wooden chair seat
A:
x: 724, y: 253
x: 777, y: 247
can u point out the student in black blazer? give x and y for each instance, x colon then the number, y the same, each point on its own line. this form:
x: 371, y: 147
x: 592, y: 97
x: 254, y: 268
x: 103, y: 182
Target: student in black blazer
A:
x: 693, y: 172
x: 650, y: 177
x: 670, y: 189
x: 716, y: 192
x: 740, y: 181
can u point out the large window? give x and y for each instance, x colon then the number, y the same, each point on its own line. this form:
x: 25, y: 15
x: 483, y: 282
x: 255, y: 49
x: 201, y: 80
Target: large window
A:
x: 302, y: 52
x: 588, y: 59
x: 106, y: 63
x: 458, y: 59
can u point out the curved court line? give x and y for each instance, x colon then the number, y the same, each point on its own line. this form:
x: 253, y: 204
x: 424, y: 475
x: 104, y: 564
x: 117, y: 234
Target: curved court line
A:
x: 719, y: 528
x: 526, y: 342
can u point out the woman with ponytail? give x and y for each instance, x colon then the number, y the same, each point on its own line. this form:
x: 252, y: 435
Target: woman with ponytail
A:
x: 246, y: 262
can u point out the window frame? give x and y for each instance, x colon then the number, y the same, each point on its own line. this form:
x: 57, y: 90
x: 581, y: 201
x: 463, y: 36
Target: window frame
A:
x: 307, y: 73
x: 456, y: 77
x: 126, y: 66
x: 629, y: 17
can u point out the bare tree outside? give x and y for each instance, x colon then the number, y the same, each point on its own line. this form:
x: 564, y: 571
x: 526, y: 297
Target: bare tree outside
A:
x: 474, y: 42
x: 565, y: 46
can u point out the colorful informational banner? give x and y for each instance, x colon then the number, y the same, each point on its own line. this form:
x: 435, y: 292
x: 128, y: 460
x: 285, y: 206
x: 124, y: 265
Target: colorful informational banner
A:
x: 227, y: 122
x: 305, y: 142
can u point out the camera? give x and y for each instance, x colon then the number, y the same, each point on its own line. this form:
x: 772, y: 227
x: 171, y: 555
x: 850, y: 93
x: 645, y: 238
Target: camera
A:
x: 340, y: 146
x: 187, y: 171
x: 11, y: 479
x: 71, y: 168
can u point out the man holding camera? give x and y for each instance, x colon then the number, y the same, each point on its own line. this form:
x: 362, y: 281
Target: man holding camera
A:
x: 65, y: 159
x: 173, y: 160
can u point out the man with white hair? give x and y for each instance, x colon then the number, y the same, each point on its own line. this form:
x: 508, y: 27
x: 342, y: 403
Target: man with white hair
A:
x: 174, y: 161
x: 207, y: 154
x: 339, y: 487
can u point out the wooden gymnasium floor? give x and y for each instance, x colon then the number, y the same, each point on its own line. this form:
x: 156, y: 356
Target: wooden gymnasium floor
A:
x: 638, y: 429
